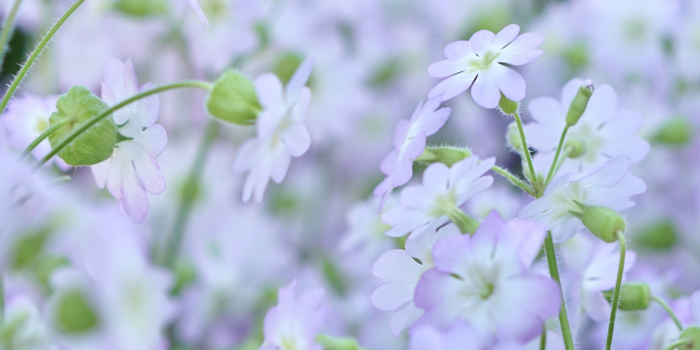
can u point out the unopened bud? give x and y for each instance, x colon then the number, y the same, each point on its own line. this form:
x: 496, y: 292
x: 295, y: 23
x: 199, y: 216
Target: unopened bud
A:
x: 579, y: 103
x: 675, y: 132
x: 446, y: 155
x: 233, y: 99
x: 337, y: 343
x: 508, y: 106
x: 285, y: 65
x: 576, y: 148
x: 74, y: 314
x: 602, y: 222
x: 661, y: 235
x: 633, y: 296
x: 513, y: 138
x: 692, y: 334
x: 141, y: 8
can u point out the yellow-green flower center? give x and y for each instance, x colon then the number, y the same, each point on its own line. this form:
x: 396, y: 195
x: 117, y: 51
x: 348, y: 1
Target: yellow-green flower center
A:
x: 484, y: 62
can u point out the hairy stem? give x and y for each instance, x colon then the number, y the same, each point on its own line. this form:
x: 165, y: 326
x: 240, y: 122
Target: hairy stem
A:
x: 35, y: 54
x: 616, y: 293
x: 669, y: 311
x: 554, y: 273
x: 8, y: 27
x: 43, y: 136
x: 554, y: 166
x: 514, y: 179
x: 526, y: 151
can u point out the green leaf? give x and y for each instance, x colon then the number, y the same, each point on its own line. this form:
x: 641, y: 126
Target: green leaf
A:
x: 233, y: 99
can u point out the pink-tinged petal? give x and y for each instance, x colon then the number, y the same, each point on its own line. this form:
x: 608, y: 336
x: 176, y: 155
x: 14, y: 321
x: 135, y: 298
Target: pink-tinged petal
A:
x: 154, y: 140
x: 269, y: 90
x: 601, y: 107
x: 459, y: 49
x: 510, y: 82
x: 412, y: 149
x: 301, y: 108
x: 382, y: 190
x: 101, y: 171
x: 149, y: 107
x: 506, y: 35
x: 120, y: 80
x: 624, y: 122
x: 617, y: 196
x: 198, y: 10
x: 426, y: 338
x: 528, y: 236
x: 282, y: 159
x: 296, y: 139
x: 522, y: 50
x: 446, y: 68
x: 450, y: 251
x: 402, y: 174
x: 298, y: 81
x: 133, y: 200
x: 535, y: 208
x: 401, y: 133
x: 607, y: 174
x: 478, y: 186
x: 569, y: 92
x: 399, y: 274
x: 695, y: 305
x: 485, y: 91
x: 634, y: 147
x: 148, y: 173
x: 452, y: 86
x: 548, y: 111
x: 389, y: 163
x: 247, y: 156
x: 436, y: 177
x: 403, y: 221
x: 482, y: 41
x: 404, y: 318
x: 414, y: 197
x: 596, y: 306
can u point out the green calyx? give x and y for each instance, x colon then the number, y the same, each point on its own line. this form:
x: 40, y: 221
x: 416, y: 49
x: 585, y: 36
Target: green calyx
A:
x: 676, y: 132
x: 446, y: 155
x: 445, y: 205
x: 338, y: 343
x: 633, y: 296
x: 508, y: 106
x: 692, y: 336
x: 602, y: 222
x: 93, y: 146
x: 285, y: 65
x: 575, y: 148
x: 233, y: 99
x: 141, y: 8
x: 513, y: 138
x: 75, y: 314
x: 579, y: 103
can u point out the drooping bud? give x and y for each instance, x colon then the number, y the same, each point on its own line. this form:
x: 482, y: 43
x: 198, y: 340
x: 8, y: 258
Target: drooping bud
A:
x: 576, y: 148
x: 675, y: 132
x: 233, y: 99
x: 508, y: 106
x: 633, y: 296
x: 692, y: 334
x: 337, y: 343
x: 513, y: 138
x: 446, y: 155
x: 141, y: 8
x: 661, y: 236
x: 93, y: 146
x: 602, y: 222
x: 579, y: 103
x: 74, y: 314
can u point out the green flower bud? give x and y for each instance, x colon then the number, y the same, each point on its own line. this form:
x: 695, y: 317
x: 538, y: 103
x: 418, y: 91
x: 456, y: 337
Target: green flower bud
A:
x: 507, y: 106
x: 93, y: 146
x: 29, y: 246
x: 446, y: 155
x: 75, y: 314
x: 692, y: 334
x: 285, y: 65
x: 576, y: 148
x: 513, y: 138
x: 233, y: 99
x: 675, y: 132
x: 466, y: 223
x: 633, y: 296
x: 603, y: 222
x: 141, y: 8
x: 660, y: 236
x: 579, y: 103
x: 337, y: 343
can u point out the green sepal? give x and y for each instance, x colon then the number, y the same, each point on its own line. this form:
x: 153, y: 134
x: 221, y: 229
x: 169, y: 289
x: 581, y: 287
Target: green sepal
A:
x: 446, y: 155
x: 233, y: 99
x: 633, y: 296
x: 602, y: 222
x: 692, y: 333
x: 75, y: 314
x: 513, y: 137
x: 579, y: 103
x: 508, y: 106
x: 285, y: 65
x: 94, y: 145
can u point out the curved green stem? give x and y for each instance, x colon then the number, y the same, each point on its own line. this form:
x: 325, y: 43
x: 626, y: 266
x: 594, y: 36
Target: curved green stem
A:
x: 188, y: 196
x: 43, y: 136
x: 556, y: 156
x: 526, y: 151
x: 543, y: 338
x: 7, y: 28
x: 554, y: 273
x: 514, y: 179
x: 87, y: 125
x: 35, y: 54
x: 677, y: 344
x: 669, y: 311
x: 616, y: 293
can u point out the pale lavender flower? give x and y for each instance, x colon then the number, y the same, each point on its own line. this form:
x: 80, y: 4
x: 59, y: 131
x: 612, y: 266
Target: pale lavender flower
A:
x: 131, y: 173
x: 409, y: 142
x: 603, y: 132
x: 485, y: 280
x: 281, y: 133
x: 609, y: 185
x: 483, y: 64
x: 460, y: 336
x: 296, y: 320
x: 424, y: 207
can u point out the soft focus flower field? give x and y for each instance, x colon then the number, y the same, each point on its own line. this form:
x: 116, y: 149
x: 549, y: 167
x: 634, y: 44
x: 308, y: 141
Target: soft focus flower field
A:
x: 350, y: 175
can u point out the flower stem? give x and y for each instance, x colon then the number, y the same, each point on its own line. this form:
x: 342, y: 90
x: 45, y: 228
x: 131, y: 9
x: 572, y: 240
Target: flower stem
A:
x: 677, y: 344
x: 514, y: 179
x: 35, y: 54
x: 556, y: 156
x: 554, y: 273
x: 526, y: 150
x: 44, y: 135
x: 669, y: 311
x: 616, y: 293
x: 2, y: 296
x: 543, y: 338
x: 188, y: 196
x: 7, y: 29
x: 87, y: 125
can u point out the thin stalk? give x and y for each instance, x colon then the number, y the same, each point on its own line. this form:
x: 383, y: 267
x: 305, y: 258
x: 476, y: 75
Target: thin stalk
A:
x: 554, y: 273
x: 669, y: 311
x: 87, y: 125
x: 526, y: 150
x: 616, y: 293
x: 556, y: 156
x: 677, y: 344
x: 43, y: 136
x: 189, y: 196
x: 563, y: 157
x: 2, y: 296
x: 514, y: 179
x: 543, y: 338
x: 7, y: 28
x: 35, y: 54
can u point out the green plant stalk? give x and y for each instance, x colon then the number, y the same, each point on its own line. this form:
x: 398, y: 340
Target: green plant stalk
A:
x: 543, y: 338
x: 669, y: 311
x: 514, y: 179
x: 35, y: 54
x: 2, y: 296
x: 526, y: 150
x: 616, y: 293
x: 554, y: 166
x: 43, y: 136
x: 678, y: 343
x: 554, y: 273
x: 174, y: 242
x: 7, y: 28
x: 87, y: 125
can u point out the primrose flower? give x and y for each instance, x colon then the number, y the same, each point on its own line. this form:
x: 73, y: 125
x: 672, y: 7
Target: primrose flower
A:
x: 485, y: 280
x: 200, y: 13
x: 424, y: 208
x: 603, y: 132
x: 483, y: 64
x: 281, y: 133
x: 132, y: 172
x: 460, y: 336
x: 296, y: 320
x: 610, y: 185
x: 409, y: 143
